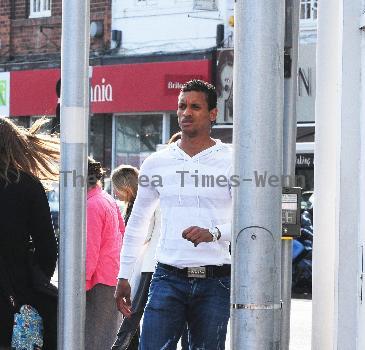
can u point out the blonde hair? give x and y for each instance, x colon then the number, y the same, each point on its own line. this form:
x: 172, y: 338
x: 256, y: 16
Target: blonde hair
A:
x: 28, y: 151
x: 175, y: 137
x: 125, y: 177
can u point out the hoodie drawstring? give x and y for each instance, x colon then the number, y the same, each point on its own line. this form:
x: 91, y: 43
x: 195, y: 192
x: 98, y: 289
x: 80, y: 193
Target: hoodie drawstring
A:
x: 175, y: 147
x: 184, y: 160
x: 197, y: 190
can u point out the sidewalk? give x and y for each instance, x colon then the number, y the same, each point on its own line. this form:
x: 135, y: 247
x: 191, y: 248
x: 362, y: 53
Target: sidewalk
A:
x: 300, y: 323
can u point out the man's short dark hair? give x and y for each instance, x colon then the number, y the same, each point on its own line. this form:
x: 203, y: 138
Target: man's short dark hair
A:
x: 202, y: 86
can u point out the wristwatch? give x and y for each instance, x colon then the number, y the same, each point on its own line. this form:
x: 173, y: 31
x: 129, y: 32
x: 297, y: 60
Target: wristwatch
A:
x: 216, y: 234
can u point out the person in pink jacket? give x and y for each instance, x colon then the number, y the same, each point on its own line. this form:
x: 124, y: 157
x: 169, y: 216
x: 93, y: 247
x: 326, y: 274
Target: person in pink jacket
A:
x: 105, y: 229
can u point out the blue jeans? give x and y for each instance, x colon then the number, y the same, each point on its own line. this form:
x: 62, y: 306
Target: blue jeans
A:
x: 174, y: 300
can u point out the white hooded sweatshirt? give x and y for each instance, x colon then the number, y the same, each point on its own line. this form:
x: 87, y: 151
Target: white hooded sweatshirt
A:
x: 192, y: 191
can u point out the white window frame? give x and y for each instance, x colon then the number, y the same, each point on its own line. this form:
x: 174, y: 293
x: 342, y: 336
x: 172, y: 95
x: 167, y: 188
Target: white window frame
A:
x: 40, y: 8
x: 205, y: 5
x: 143, y: 3
x: 310, y: 22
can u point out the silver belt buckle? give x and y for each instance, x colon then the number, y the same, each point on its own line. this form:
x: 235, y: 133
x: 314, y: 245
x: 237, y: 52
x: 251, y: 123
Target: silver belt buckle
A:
x: 197, y: 272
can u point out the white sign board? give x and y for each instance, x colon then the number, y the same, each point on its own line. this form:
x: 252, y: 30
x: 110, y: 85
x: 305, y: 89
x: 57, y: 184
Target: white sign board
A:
x: 5, y: 94
x: 224, y: 86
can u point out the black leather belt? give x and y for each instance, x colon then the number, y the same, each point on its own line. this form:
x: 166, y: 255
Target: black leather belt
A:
x: 207, y: 271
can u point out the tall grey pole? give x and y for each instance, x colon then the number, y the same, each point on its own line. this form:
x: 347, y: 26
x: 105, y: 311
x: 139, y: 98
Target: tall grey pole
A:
x: 74, y: 133
x: 289, y: 153
x: 257, y: 137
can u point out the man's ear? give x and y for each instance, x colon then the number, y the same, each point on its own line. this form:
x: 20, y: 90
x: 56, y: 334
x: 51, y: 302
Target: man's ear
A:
x: 213, y: 114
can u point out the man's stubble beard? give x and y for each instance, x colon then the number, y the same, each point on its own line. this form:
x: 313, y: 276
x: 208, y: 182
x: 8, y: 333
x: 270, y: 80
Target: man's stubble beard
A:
x: 190, y: 134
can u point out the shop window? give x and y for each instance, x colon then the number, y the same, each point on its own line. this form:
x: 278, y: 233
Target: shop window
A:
x: 21, y: 121
x: 100, y: 140
x: 136, y: 137
x: 308, y: 13
x: 39, y: 8
x: 222, y: 133
x: 304, y: 171
x: 174, y: 125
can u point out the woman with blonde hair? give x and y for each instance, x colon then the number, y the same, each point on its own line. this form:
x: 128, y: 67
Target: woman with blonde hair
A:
x: 26, y: 157
x: 28, y: 151
x: 125, y: 185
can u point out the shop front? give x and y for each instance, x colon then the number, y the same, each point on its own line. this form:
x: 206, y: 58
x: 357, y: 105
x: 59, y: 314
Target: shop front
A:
x: 133, y: 106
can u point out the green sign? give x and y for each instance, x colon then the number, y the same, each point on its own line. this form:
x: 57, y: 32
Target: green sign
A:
x: 3, y: 101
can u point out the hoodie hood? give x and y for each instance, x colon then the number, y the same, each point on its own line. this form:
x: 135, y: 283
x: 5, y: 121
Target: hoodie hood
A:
x: 179, y: 154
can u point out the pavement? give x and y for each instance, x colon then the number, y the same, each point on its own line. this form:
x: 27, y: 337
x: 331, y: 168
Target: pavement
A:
x: 300, y: 323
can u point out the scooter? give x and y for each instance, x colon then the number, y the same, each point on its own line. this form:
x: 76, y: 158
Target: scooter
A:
x: 302, y: 256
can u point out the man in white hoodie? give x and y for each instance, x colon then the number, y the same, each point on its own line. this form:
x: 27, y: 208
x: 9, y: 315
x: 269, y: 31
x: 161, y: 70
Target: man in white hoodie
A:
x: 192, y: 181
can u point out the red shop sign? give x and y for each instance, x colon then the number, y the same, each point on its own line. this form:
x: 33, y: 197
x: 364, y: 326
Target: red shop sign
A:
x: 143, y: 87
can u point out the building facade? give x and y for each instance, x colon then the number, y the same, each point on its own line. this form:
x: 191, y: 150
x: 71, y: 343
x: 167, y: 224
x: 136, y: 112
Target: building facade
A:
x: 170, y: 26
x: 30, y: 54
x: 306, y: 95
x: 133, y: 91
x: 141, y: 52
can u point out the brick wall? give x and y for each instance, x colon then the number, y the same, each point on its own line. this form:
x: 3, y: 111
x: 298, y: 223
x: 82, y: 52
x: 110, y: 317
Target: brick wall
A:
x: 20, y: 8
x: 24, y: 36
x: 100, y: 10
x: 4, y: 29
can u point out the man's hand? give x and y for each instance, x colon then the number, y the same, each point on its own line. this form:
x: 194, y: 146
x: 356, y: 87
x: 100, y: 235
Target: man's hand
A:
x: 197, y: 235
x: 122, y: 296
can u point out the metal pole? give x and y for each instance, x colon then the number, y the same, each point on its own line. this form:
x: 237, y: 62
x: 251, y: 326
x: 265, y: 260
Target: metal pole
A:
x: 361, y: 239
x: 257, y: 138
x: 289, y: 153
x: 74, y: 133
x: 286, y: 282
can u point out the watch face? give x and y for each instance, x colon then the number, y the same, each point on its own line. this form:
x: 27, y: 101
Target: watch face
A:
x: 214, y: 233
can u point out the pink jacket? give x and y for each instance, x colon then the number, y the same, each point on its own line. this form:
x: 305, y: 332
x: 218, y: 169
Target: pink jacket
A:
x: 105, y: 230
